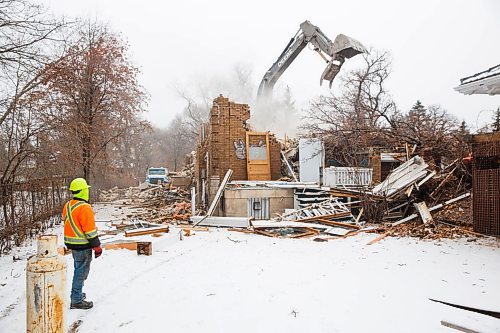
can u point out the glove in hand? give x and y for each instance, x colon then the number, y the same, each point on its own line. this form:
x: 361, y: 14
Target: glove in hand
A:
x: 97, y: 251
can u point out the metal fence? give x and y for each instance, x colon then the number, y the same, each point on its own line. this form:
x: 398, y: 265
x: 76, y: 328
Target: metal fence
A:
x: 486, y: 187
x: 28, y: 208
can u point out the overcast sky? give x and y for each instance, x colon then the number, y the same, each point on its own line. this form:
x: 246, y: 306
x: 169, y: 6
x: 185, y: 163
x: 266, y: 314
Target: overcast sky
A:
x: 178, y: 43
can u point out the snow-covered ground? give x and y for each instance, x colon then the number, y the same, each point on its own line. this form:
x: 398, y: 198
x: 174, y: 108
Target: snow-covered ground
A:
x: 221, y: 281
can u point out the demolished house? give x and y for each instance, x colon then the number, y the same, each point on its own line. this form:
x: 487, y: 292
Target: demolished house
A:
x: 227, y: 142
x: 237, y: 174
x: 238, y: 184
x: 486, y: 157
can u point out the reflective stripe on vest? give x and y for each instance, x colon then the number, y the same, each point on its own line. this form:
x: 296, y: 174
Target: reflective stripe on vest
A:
x: 80, y: 236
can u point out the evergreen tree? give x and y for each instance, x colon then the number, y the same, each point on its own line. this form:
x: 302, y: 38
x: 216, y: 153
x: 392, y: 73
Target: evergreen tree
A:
x: 418, y: 109
x: 496, y: 120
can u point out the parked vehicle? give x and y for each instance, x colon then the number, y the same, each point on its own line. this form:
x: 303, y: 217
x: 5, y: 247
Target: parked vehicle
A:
x: 157, y: 176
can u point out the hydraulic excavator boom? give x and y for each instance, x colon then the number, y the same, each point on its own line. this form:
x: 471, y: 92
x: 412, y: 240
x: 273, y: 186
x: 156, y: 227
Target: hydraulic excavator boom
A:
x: 343, y: 47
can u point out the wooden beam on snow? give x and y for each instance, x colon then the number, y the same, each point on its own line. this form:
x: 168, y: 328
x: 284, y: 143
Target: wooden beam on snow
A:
x: 145, y: 231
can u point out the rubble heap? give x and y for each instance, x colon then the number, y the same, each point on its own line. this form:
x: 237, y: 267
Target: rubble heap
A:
x: 158, y: 203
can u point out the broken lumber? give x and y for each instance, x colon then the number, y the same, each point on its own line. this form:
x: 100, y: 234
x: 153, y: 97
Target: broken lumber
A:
x: 324, y: 217
x: 145, y: 231
x: 303, y: 235
x: 188, y: 227
x: 441, y: 205
x: 424, y: 212
x: 221, y: 221
x: 337, y: 231
x: 217, y: 197
x: 443, y: 182
x: 245, y: 231
x: 473, y: 233
x: 144, y: 248
x: 118, y: 245
x: 457, y: 327
x: 289, y: 166
x: 265, y: 233
x: 379, y: 238
x: 338, y: 224
x: 220, y: 190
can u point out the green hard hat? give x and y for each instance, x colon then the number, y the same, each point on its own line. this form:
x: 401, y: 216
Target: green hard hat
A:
x: 78, y: 184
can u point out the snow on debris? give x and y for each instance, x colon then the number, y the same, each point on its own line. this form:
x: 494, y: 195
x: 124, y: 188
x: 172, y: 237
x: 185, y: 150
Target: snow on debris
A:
x: 222, y: 281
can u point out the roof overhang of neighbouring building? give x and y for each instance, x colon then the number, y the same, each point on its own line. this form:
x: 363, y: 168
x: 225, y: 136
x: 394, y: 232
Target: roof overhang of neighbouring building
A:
x: 486, y: 82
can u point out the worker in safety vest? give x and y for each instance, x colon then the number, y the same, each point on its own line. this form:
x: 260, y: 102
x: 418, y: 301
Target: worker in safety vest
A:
x: 80, y: 235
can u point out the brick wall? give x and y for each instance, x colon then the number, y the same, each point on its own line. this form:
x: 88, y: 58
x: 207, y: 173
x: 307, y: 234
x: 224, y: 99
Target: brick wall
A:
x: 224, y: 141
x: 275, y: 156
x: 376, y: 165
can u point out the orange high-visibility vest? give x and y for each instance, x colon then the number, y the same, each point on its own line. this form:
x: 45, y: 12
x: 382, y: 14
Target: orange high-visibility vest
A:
x: 79, y: 224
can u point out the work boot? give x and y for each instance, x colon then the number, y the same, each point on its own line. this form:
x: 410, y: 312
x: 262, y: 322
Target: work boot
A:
x: 83, y: 305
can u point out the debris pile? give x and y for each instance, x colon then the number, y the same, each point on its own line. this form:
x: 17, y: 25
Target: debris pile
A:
x: 412, y: 201
x: 116, y: 193
x: 430, y: 231
x: 399, y: 206
x: 158, y: 203
x: 411, y: 190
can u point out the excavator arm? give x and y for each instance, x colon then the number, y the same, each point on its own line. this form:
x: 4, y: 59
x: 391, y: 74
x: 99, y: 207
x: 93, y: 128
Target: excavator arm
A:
x: 336, y: 52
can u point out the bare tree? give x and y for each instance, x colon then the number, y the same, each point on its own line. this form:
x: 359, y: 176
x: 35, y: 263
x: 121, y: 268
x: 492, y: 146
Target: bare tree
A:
x: 28, y: 38
x: 355, y: 118
x: 27, y: 33
x: 96, y: 94
x: 178, y: 143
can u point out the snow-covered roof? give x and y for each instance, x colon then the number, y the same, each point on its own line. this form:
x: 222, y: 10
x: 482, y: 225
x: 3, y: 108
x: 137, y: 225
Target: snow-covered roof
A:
x: 486, y: 82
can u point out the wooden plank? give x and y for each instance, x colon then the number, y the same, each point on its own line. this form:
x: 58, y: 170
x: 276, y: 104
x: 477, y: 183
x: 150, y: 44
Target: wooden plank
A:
x: 336, y: 193
x: 288, y: 166
x: 329, y: 216
x: 302, y: 235
x: 144, y: 248
x: 122, y: 245
x: 379, y: 238
x: 352, y: 233
x: 220, y: 190
x: 443, y: 182
x: 188, y: 227
x: 433, y: 208
x: 424, y: 212
x: 457, y: 327
x: 312, y: 230
x: 339, y: 224
x: 245, y: 231
x: 265, y: 233
x: 429, y: 176
x: 145, y: 231
x: 337, y: 231
x: 221, y: 221
x: 359, y: 215
x: 466, y: 231
x: 217, y: 197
